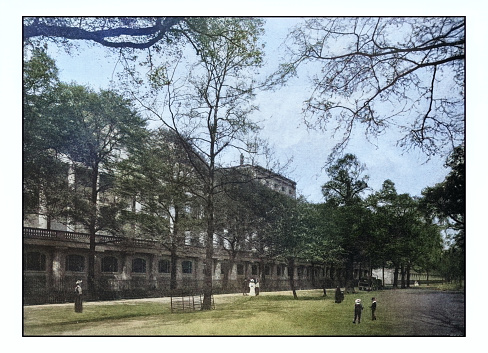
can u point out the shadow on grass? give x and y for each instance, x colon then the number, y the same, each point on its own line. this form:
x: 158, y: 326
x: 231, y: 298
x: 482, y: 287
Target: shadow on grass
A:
x: 286, y: 298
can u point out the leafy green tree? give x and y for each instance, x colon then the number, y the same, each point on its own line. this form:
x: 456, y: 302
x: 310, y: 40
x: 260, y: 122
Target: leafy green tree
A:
x: 94, y: 131
x: 402, y: 74
x: 209, y: 107
x: 446, y: 202
x: 288, y: 235
x: 44, y: 174
x: 241, y: 210
x: 452, y: 265
x: 347, y: 181
x: 406, y: 238
x: 344, y: 191
x: 326, y: 246
x: 323, y: 245
x: 158, y: 178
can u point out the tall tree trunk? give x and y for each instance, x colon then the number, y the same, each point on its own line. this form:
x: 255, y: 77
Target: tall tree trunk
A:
x: 383, y: 276
x: 207, y: 282
x: 173, y: 252
x: 174, y: 260
x: 408, y: 275
x: 48, y: 222
x: 395, y: 277
x: 402, y: 272
x: 332, y: 276
x: 92, y: 287
x: 350, y: 274
x: 313, y: 275
x: 291, y: 276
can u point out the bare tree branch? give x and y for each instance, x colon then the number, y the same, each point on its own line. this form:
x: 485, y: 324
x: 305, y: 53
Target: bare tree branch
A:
x: 383, y: 73
x: 141, y: 37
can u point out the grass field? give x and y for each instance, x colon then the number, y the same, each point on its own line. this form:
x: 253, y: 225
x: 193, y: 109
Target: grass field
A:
x: 270, y: 314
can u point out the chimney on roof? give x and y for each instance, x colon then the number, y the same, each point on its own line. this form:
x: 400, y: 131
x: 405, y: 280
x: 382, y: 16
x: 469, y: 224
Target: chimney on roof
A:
x: 242, y: 159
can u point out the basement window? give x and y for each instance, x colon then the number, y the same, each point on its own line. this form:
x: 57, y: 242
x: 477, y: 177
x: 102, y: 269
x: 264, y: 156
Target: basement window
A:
x: 110, y: 264
x: 139, y: 265
x: 75, y: 263
x: 186, y: 266
x: 35, y: 261
x: 164, y: 266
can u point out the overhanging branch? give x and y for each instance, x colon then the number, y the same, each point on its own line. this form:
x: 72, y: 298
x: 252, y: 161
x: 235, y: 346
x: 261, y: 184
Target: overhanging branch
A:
x: 161, y: 27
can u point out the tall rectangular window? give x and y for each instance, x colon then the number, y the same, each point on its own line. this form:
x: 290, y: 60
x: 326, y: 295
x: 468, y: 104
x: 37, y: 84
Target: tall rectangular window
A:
x: 109, y: 264
x: 35, y: 261
x: 186, y: 266
x: 254, y: 270
x: 240, y: 269
x: 75, y: 263
x: 164, y: 266
x: 139, y: 265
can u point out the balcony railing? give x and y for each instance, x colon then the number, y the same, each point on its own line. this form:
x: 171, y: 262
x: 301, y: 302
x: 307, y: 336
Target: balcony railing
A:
x: 75, y: 237
x: 36, y: 233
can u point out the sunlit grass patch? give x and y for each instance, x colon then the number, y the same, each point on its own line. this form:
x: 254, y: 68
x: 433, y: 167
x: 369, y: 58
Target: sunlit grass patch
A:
x: 269, y: 314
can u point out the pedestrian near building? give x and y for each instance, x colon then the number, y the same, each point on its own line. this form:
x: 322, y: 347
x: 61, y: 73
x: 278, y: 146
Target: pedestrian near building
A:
x: 252, y: 288
x: 245, y: 290
x: 358, y: 308
x: 78, y: 297
x: 257, y: 286
x: 339, y: 296
x: 373, y: 308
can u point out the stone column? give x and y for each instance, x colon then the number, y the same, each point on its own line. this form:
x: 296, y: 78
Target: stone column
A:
x: 58, y: 264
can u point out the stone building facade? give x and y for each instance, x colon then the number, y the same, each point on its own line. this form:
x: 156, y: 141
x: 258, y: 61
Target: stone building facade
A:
x: 133, y: 268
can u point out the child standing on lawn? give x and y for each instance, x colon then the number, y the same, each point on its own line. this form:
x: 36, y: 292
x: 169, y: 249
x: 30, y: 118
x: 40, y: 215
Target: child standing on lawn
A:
x: 373, y: 308
x: 358, y: 308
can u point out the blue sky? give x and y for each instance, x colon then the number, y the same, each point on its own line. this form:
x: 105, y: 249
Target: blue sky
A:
x: 281, y: 116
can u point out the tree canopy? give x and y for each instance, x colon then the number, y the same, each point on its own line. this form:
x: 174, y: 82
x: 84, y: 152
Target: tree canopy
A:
x: 404, y: 74
x: 208, y: 105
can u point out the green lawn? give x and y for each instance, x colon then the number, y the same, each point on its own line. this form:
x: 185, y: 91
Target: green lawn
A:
x: 270, y: 314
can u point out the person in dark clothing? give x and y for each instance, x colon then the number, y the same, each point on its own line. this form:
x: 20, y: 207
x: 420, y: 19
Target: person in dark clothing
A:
x: 78, y: 298
x: 245, y: 290
x: 358, y: 308
x: 339, y: 296
x: 257, y: 286
x: 373, y: 308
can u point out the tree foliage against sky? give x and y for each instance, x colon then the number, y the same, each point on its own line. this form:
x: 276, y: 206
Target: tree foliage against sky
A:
x: 158, y: 178
x: 83, y: 135
x: 347, y: 181
x: 40, y: 166
x: 403, y: 73
x: 207, y: 103
x: 402, y: 235
x: 447, y: 200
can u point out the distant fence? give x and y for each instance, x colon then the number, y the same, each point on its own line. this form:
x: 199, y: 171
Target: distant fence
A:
x: 37, y: 290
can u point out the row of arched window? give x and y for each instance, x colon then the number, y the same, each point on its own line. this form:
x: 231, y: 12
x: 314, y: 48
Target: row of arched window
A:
x: 36, y: 261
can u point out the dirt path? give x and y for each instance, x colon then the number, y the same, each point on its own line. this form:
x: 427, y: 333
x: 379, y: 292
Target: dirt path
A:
x: 425, y: 312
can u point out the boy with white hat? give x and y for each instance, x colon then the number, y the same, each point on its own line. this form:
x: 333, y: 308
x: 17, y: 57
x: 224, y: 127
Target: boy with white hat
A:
x: 358, y: 308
